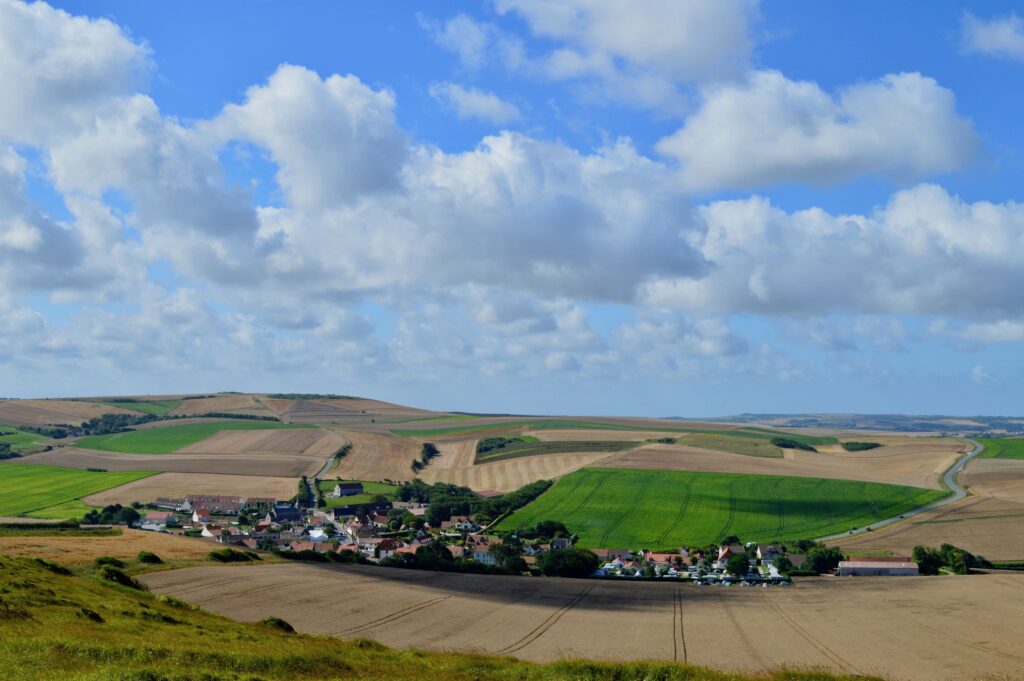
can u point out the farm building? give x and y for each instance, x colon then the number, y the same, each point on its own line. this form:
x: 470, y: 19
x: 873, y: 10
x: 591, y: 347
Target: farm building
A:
x: 875, y: 568
x: 163, y: 518
x: 347, y: 489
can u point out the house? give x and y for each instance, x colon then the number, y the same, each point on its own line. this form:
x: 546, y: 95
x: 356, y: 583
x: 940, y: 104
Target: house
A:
x: 559, y: 543
x: 258, y: 503
x: 212, y: 531
x: 298, y: 546
x: 387, y: 548
x: 463, y: 523
x: 458, y: 552
x: 767, y: 554
x: 876, y: 568
x: 215, y: 503
x: 283, y: 513
x: 168, y: 503
x: 160, y: 518
x: 347, y: 489
x: 483, y: 551
x: 406, y: 550
x: 200, y: 517
x: 726, y: 551
x: 611, y: 554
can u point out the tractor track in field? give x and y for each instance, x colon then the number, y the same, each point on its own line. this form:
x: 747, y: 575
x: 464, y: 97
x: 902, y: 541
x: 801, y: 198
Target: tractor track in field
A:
x: 679, y: 514
x: 544, y: 626
x: 625, y: 514
x: 800, y: 631
x: 732, y: 509
x: 678, y: 627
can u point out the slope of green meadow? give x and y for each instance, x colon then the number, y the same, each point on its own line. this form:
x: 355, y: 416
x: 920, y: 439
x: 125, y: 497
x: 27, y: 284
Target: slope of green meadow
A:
x: 155, y: 407
x: 171, y: 438
x: 625, y: 508
x: 1002, y: 448
x: 50, y: 491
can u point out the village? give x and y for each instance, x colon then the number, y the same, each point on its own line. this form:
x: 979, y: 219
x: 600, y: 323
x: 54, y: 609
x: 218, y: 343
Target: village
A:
x: 395, y: 533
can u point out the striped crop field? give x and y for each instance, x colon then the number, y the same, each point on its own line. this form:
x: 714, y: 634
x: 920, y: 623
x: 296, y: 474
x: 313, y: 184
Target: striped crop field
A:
x: 619, y: 508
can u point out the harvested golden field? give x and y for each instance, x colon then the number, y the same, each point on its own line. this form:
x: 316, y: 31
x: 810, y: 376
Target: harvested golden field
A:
x: 44, y: 412
x: 309, y: 442
x: 511, y: 474
x: 180, y: 484
x: 235, y: 404
x: 77, y: 550
x: 378, y: 457
x: 917, y: 463
x: 915, y: 628
x: 275, y: 465
x: 990, y: 522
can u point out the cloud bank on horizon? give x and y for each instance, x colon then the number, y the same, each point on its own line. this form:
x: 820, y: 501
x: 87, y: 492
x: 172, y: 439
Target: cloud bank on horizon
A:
x: 586, y: 206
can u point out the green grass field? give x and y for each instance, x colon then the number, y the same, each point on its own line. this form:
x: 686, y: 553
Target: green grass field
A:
x: 619, y: 508
x: 18, y: 438
x: 78, y: 627
x: 155, y: 407
x: 519, y: 449
x: 52, y: 492
x: 1002, y: 448
x: 370, y: 490
x: 748, y: 446
x: 171, y: 438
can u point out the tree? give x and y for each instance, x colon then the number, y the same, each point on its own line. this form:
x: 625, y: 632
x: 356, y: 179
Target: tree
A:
x: 572, y: 562
x: 784, y: 565
x: 550, y: 528
x: 824, y: 559
x: 428, y: 452
x: 737, y: 565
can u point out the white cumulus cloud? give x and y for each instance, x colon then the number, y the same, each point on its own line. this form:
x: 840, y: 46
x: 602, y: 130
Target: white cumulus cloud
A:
x: 998, y: 37
x: 475, y: 103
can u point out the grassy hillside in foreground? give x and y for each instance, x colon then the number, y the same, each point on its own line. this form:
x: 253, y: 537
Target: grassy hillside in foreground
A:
x: 51, y: 491
x: 1002, y: 448
x: 77, y: 627
x: 620, y: 508
x: 171, y: 438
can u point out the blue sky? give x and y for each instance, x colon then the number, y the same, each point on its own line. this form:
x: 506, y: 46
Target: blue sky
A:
x: 654, y: 208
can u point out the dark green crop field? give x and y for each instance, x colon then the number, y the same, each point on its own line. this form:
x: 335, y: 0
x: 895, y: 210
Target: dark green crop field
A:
x: 1002, y: 448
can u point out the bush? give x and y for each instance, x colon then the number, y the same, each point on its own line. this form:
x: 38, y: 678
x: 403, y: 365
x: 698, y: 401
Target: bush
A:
x: 232, y: 556
x: 175, y: 602
x: 148, y: 558
x: 823, y: 559
x: 109, y: 560
x: 860, y: 446
x: 786, y: 443
x: 91, y: 615
x: 278, y: 623
x: 112, y: 574
x: 55, y: 568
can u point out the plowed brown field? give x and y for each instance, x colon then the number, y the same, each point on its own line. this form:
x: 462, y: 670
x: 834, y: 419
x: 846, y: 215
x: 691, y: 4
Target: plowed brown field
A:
x: 917, y: 463
x: 180, y: 484
x: 917, y: 628
x: 43, y: 412
x: 235, y: 404
x: 990, y: 522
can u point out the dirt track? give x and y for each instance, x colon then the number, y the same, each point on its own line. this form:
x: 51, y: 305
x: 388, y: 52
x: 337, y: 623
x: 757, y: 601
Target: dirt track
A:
x: 918, y: 464
x: 920, y: 629
x: 149, y: 489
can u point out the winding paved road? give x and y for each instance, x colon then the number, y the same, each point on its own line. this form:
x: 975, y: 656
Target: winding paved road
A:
x: 948, y: 479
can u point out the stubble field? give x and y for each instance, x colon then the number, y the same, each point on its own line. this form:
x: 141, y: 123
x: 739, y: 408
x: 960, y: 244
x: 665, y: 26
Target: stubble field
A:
x: 172, y: 485
x: 172, y: 438
x: 918, y: 629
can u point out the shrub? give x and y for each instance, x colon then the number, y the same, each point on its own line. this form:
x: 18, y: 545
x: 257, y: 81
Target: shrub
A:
x: 148, y: 558
x: 278, y: 623
x: 55, y: 568
x: 91, y: 615
x: 232, y: 556
x: 108, y: 560
x: 786, y: 443
x: 175, y: 602
x: 109, y: 573
x: 860, y: 446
